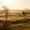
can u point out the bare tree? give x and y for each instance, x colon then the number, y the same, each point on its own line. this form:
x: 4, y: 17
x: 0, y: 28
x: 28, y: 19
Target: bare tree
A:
x: 6, y: 11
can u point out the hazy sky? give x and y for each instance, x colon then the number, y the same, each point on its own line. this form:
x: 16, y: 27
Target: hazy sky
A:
x: 15, y: 4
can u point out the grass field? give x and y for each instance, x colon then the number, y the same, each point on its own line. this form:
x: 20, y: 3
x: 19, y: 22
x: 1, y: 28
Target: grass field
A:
x: 15, y: 25
x: 15, y: 22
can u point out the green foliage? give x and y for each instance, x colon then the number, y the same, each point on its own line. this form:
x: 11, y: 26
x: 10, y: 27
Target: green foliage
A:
x: 20, y: 21
x: 15, y: 22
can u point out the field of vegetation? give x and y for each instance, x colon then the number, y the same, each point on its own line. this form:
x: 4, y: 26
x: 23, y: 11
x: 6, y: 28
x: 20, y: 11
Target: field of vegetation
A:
x: 18, y: 21
x: 15, y: 25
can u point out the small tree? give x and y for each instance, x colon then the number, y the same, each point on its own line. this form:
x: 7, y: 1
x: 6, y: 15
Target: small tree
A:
x: 23, y: 13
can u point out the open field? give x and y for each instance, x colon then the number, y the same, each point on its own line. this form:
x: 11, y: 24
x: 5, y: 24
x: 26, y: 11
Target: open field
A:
x: 15, y: 14
x: 16, y: 20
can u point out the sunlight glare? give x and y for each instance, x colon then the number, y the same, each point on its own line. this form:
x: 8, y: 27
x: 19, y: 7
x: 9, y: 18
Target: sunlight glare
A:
x: 6, y: 2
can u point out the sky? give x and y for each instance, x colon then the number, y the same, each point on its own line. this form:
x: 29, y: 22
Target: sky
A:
x: 15, y: 4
